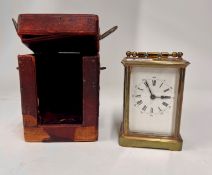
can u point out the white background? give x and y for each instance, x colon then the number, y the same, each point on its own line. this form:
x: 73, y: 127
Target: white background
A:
x: 145, y: 25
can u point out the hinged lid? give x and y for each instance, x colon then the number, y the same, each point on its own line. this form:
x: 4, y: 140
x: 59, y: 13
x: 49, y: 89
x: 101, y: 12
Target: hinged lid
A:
x: 59, y: 32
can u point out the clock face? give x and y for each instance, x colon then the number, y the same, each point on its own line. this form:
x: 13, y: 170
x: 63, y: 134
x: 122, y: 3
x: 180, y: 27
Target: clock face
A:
x: 153, y: 100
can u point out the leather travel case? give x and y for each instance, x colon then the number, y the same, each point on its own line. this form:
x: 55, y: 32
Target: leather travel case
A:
x: 59, y: 83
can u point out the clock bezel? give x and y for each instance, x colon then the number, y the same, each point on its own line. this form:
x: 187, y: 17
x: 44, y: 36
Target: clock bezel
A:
x: 136, y: 139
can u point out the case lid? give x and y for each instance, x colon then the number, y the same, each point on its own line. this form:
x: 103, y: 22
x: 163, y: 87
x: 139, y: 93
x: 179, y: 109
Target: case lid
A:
x: 59, y: 32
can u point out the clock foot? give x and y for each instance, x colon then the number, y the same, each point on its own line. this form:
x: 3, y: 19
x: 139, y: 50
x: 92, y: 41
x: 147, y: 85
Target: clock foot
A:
x: 157, y: 142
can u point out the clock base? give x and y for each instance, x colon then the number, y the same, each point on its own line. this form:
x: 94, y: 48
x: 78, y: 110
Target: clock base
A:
x: 140, y: 141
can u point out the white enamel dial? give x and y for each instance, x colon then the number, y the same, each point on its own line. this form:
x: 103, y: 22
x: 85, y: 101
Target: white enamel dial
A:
x: 153, y: 97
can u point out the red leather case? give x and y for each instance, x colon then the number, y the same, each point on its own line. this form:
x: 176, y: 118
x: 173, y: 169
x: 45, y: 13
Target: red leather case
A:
x: 60, y: 82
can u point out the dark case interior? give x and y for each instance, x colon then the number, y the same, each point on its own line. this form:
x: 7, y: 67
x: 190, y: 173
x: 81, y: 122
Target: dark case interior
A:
x: 59, y: 49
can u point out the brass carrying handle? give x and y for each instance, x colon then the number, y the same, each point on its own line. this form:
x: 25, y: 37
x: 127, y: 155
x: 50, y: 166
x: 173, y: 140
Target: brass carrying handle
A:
x: 154, y: 54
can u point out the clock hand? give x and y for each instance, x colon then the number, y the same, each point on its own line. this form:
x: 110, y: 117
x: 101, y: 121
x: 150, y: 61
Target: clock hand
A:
x: 163, y: 97
x: 152, y: 96
x: 147, y: 85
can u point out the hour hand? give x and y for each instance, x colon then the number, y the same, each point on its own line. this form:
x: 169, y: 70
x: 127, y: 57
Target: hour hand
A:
x: 164, y: 97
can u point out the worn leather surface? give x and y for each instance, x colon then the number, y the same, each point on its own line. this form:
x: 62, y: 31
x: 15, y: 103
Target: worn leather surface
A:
x: 47, y: 36
x: 59, y: 32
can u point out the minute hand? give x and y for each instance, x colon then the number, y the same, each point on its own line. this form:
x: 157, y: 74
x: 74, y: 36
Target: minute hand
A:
x: 147, y: 85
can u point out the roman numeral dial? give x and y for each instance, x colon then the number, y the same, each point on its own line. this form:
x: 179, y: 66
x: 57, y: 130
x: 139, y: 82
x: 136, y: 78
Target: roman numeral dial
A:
x: 153, y: 96
x: 151, y: 99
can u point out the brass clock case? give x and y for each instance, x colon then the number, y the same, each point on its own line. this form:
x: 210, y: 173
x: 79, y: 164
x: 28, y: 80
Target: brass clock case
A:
x: 152, y: 59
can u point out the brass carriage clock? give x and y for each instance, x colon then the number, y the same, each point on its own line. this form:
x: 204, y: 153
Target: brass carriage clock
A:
x: 153, y: 95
